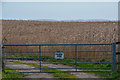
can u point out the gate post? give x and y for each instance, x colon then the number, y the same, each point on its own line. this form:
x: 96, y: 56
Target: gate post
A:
x: 40, y: 56
x: 114, y: 56
x: 76, y: 57
x: 3, y: 59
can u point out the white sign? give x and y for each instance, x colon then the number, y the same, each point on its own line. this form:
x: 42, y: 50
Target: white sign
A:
x: 59, y: 55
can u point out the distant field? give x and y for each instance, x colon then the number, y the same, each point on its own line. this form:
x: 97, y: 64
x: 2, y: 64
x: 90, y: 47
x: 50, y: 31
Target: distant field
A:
x: 21, y: 32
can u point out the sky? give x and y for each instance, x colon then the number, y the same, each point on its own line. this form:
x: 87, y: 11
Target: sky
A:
x: 60, y: 0
x: 60, y: 10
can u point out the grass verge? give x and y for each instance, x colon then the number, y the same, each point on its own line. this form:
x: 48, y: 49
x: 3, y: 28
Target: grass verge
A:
x: 10, y: 75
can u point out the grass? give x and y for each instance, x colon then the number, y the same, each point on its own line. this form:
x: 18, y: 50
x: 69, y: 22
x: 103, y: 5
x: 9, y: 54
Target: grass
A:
x: 10, y: 75
x: 114, y: 75
x: 60, y: 75
x: 56, y: 74
x: 17, y: 62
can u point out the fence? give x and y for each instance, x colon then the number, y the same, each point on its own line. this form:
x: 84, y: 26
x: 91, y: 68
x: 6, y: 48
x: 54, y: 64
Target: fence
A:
x: 45, y: 54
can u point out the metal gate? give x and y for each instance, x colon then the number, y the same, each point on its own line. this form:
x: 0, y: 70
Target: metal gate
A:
x: 92, y: 57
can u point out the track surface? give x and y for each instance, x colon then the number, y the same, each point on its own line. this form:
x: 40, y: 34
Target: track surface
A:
x: 47, y: 75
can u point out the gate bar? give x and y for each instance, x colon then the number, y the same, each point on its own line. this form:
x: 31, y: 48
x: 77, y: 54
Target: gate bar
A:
x: 64, y: 71
x: 62, y: 63
x: 55, y: 44
x: 53, y: 51
x: 61, y: 68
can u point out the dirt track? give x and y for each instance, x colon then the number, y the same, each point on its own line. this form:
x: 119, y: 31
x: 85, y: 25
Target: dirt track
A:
x: 46, y: 75
x: 30, y: 75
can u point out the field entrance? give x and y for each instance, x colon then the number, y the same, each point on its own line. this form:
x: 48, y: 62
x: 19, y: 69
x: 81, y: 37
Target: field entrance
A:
x: 93, y: 57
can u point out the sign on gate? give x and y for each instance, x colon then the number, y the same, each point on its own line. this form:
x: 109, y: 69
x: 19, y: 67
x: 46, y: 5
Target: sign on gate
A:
x: 59, y: 55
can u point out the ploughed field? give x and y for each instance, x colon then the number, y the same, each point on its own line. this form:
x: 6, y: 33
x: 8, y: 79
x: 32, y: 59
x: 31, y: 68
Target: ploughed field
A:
x: 41, y: 32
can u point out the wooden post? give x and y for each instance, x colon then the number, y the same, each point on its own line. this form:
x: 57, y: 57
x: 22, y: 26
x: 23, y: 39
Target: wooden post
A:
x: 118, y: 55
x: 3, y: 59
x: 0, y: 59
x: 118, y: 58
x: 118, y: 52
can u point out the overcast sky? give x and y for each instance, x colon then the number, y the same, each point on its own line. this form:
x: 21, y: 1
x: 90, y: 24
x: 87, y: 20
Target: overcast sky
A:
x: 60, y: 10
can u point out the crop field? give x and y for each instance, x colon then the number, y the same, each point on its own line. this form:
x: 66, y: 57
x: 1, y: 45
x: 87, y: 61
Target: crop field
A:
x: 41, y: 32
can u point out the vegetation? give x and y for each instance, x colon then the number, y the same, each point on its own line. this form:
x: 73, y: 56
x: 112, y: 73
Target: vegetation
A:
x: 114, y: 75
x: 11, y: 74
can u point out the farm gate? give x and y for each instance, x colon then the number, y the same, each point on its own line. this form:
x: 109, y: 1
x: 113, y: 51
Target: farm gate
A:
x: 91, y: 57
